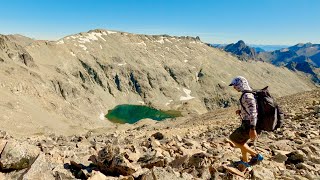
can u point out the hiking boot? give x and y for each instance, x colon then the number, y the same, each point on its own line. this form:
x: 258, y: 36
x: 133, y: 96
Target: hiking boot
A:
x: 256, y: 160
x: 241, y: 165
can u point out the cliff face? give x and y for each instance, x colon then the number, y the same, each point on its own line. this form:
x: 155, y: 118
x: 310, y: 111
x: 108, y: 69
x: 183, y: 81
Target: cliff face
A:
x: 68, y: 85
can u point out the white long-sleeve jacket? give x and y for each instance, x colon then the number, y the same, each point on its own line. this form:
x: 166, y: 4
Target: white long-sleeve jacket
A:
x: 249, y: 108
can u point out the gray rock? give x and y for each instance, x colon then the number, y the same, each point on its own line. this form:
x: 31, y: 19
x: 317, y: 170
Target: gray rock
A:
x: 164, y: 174
x: 317, y: 109
x: 40, y: 169
x: 147, y: 176
x: 121, y: 166
x: 97, y: 175
x: 141, y: 172
x: 158, y: 136
x: 311, y: 176
x: 262, y: 173
x: 280, y: 157
x: 106, y: 154
x: 296, y: 157
x: 315, y: 159
x: 61, y: 173
x: 179, y: 161
x: 154, y: 162
x: 304, y: 166
x: 199, y: 160
x: 297, y: 177
x: 17, y: 156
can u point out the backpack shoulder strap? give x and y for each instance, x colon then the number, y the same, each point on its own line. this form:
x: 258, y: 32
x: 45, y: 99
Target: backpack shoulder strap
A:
x: 244, y: 92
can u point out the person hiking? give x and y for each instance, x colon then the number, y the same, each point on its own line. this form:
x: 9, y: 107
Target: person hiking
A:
x: 247, y: 130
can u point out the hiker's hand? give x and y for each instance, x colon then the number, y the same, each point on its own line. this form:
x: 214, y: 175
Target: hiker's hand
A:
x: 238, y: 112
x: 253, y: 134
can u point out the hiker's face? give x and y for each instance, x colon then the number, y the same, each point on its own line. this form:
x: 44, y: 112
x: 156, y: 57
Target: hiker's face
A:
x: 235, y: 87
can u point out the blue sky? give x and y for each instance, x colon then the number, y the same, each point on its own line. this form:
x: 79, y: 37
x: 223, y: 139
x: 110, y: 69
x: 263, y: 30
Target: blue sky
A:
x: 284, y: 22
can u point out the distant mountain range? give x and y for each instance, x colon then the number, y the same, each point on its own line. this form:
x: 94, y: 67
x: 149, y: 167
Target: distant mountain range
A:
x: 300, y: 57
x: 258, y: 47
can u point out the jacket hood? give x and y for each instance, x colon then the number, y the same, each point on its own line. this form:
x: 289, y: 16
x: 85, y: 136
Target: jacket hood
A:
x: 241, y: 84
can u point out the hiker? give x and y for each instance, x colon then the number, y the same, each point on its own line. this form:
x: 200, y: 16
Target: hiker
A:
x: 247, y: 130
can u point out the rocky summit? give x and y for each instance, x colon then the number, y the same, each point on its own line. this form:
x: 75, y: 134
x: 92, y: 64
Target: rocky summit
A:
x: 67, y: 86
x: 184, y: 148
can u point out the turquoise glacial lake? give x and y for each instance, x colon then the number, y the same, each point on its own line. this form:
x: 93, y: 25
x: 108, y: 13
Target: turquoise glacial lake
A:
x: 127, y: 113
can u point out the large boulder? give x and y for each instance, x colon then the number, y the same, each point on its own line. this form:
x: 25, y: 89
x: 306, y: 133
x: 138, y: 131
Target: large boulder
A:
x: 17, y: 155
x: 262, y: 173
x: 121, y: 166
x: 40, y: 169
x: 296, y: 157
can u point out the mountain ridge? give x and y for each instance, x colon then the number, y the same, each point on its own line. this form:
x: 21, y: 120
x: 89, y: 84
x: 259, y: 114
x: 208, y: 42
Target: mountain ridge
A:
x: 302, y: 57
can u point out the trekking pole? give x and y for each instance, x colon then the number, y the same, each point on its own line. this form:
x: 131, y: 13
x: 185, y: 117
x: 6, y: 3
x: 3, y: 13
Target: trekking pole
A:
x: 254, y: 144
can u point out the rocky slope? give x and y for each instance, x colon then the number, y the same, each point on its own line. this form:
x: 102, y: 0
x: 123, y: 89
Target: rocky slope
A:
x: 301, y: 57
x: 183, y: 148
x: 67, y: 86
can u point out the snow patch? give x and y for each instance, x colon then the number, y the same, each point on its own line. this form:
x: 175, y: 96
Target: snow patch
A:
x: 72, y: 54
x: 99, y: 35
x: 185, y: 61
x: 60, y: 42
x: 169, y: 102
x: 74, y: 37
x: 188, y: 97
x: 100, y: 46
x: 111, y: 32
x: 92, y: 36
x: 284, y: 50
x: 142, y: 43
x: 101, y: 116
x: 141, y: 102
x: 168, y: 40
x: 161, y: 41
x: 122, y: 64
x: 195, y: 42
x: 83, y: 47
